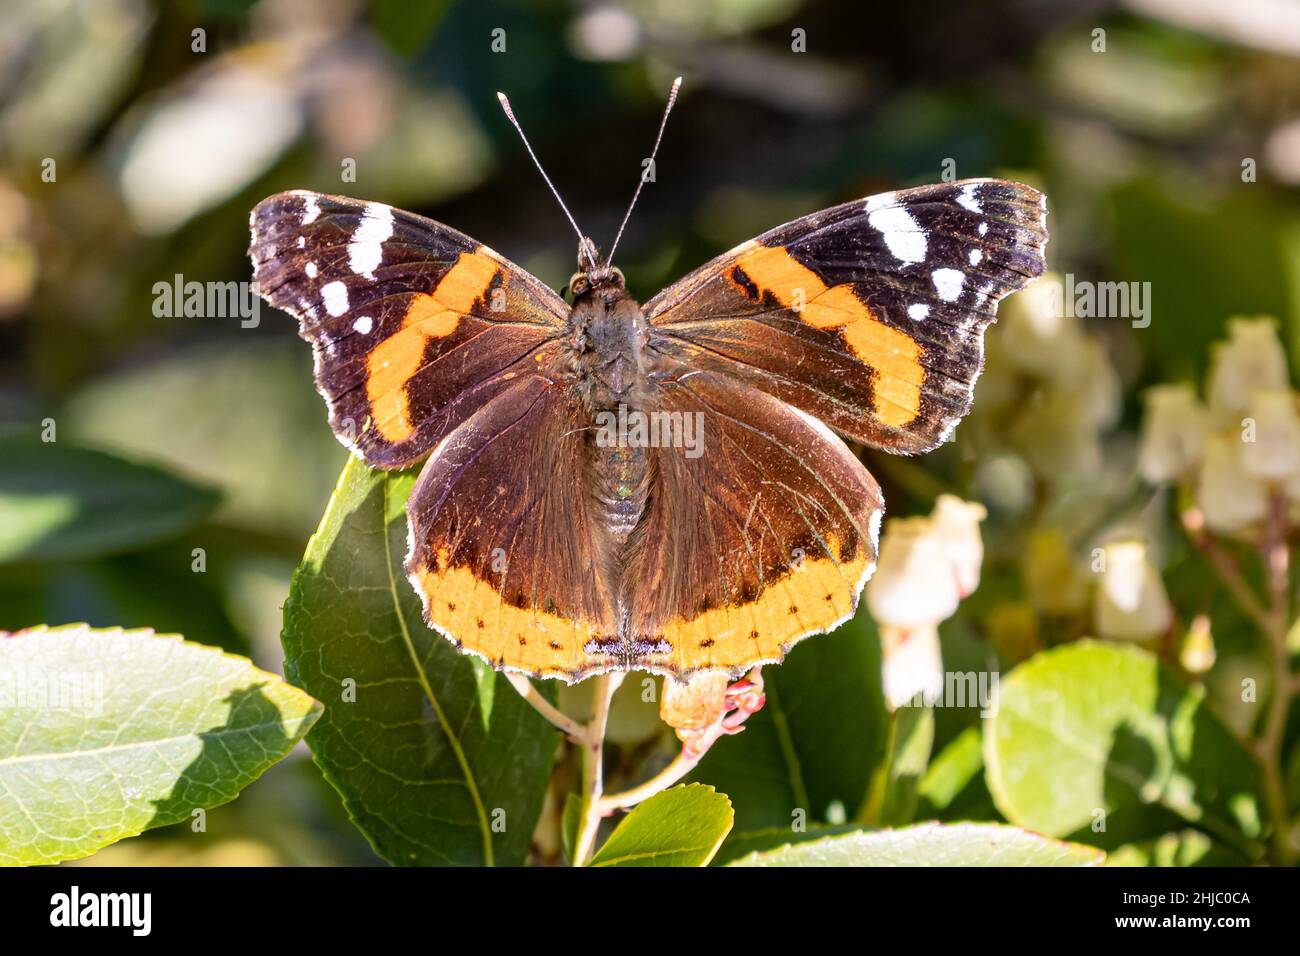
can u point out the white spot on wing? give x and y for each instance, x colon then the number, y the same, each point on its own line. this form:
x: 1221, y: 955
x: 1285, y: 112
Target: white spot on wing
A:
x: 948, y: 283
x: 335, y: 295
x: 310, y: 210
x: 902, y: 233
x: 363, y: 325
x: 975, y: 256
x: 967, y: 198
x: 302, y: 242
x: 365, y: 250
x: 984, y: 228
x: 882, y: 201
x: 311, y: 270
x: 918, y: 311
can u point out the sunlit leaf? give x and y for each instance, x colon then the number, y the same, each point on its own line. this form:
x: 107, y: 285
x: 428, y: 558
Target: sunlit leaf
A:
x: 106, y: 733
x: 437, y: 758
x: 1101, y: 741
x: 931, y: 844
x: 683, y: 826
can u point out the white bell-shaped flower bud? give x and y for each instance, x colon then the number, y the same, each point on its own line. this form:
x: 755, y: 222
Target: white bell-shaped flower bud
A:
x: 913, y: 584
x: 1271, y: 435
x: 1130, y: 602
x: 1173, y: 433
x: 957, y: 523
x: 1230, y: 497
x: 912, y: 669
x: 1250, y: 360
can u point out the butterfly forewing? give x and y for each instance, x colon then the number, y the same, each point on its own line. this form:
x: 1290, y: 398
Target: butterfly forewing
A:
x: 869, y: 315
x: 413, y: 324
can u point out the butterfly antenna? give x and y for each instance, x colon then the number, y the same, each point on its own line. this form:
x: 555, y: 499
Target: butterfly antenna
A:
x: 672, y: 98
x: 510, y: 115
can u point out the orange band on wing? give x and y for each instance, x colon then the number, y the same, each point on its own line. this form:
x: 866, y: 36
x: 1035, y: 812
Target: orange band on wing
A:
x: 472, y: 612
x: 893, y: 355
x: 813, y: 598
x: 391, y: 365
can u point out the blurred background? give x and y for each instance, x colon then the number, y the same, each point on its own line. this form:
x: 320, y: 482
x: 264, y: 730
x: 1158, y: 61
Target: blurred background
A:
x: 1166, y: 134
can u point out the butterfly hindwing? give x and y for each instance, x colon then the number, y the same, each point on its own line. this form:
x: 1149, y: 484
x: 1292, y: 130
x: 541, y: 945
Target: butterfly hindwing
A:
x: 502, y: 539
x: 869, y: 315
x: 764, y: 536
x: 413, y: 324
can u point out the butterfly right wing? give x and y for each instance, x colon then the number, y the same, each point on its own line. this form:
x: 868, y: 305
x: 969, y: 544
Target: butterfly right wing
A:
x: 413, y: 324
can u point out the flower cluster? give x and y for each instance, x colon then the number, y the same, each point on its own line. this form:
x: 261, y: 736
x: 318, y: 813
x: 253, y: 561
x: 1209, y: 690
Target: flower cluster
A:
x: 1048, y: 396
x: 1239, y: 450
x: 926, y: 566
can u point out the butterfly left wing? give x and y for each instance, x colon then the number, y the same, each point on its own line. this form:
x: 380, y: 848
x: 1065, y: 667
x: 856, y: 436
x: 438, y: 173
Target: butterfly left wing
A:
x: 414, y: 325
x: 870, y: 315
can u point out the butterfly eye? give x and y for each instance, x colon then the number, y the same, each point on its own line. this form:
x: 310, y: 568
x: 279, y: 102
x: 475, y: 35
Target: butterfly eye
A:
x: 578, y: 284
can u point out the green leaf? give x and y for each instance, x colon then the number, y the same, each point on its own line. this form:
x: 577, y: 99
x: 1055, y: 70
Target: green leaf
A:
x: 106, y: 733
x: 907, y: 753
x: 1184, y: 848
x: 438, y: 759
x: 1092, y: 732
x: 569, y: 824
x: 738, y: 845
x: 810, y: 752
x: 59, y: 502
x: 275, y: 468
x: 953, y: 787
x: 932, y: 844
x: 683, y: 826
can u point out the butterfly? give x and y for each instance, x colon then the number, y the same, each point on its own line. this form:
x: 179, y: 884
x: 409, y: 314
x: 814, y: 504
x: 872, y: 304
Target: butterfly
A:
x: 658, y: 487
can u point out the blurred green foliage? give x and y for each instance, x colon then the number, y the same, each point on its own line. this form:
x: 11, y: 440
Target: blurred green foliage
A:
x: 159, y: 151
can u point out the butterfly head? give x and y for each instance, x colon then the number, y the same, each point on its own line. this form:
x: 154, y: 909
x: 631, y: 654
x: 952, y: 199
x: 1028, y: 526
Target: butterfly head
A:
x: 594, y: 272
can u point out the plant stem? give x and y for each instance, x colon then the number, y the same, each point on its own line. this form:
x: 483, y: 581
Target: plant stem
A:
x: 574, y: 730
x: 1226, y: 565
x: 592, y: 776
x: 1273, y: 621
x: 682, y: 765
x: 1268, y: 749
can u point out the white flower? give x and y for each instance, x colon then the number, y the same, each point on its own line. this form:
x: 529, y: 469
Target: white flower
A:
x: 1036, y: 335
x: 1230, y: 497
x: 1057, y: 436
x: 1173, y: 433
x: 957, y: 523
x: 913, y: 665
x: 913, y: 585
x: 1275, y: 451
x: 927, y: 565
x: 1250, y: 360
x: 1130, y: 603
